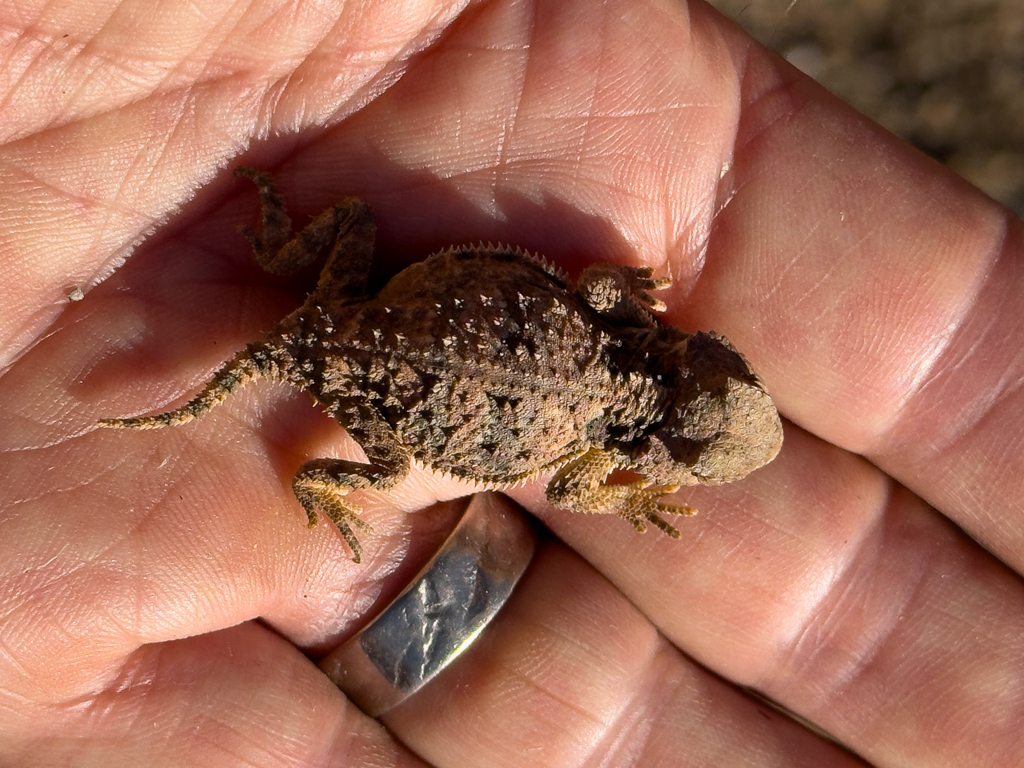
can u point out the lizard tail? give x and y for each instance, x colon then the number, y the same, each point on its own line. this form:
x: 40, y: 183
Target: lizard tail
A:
x: 248, y: 364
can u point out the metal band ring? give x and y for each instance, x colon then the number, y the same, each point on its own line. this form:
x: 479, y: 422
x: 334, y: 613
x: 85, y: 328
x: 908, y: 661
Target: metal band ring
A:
x: 440, y: 613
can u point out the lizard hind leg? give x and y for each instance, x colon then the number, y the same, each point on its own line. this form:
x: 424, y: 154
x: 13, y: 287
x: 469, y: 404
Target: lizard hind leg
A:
x: 250, y: 363
x: 345, y: 231
x: 581, y: 486
x: 322, y: 485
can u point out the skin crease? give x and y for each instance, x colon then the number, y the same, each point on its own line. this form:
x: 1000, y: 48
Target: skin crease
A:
x: 160, y: 591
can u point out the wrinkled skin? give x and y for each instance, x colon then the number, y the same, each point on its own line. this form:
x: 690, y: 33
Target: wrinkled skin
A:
x: 161, y: 600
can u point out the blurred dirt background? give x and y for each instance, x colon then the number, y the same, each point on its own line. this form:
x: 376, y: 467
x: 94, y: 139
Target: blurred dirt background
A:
x: 946, y: 75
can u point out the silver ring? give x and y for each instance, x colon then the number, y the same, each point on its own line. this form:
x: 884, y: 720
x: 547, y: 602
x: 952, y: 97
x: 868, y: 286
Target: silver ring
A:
x: 440, y: 613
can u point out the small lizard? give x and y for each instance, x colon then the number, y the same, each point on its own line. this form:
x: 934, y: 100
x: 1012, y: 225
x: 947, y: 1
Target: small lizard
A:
x: 486, y: 363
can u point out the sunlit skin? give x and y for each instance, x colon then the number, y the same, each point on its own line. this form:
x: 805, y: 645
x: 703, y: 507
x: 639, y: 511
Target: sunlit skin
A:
x: 162, y: 601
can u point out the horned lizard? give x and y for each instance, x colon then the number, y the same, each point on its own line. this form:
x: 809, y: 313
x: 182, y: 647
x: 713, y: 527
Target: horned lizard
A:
x: 485, y: 362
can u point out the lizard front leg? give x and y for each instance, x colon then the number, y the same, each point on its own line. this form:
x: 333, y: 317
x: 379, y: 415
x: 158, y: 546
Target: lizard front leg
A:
x: 581, y: 486
x: 322, y: 485
x: 620, y: 293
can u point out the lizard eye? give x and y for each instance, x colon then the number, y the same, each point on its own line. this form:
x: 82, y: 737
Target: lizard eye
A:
x: 681, y: 448
x: 723, y: 424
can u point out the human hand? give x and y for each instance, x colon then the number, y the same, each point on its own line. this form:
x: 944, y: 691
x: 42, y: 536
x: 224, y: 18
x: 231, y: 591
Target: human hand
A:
x: 161, y: 595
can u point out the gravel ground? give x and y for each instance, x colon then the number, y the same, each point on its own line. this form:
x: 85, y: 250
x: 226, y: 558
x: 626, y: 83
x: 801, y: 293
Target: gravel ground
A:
x: 946, y: 75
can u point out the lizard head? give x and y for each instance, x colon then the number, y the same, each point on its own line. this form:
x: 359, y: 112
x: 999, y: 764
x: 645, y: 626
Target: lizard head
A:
x: 721, y: 425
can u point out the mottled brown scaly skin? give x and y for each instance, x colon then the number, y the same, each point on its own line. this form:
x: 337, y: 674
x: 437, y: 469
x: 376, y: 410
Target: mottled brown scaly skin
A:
x: 484, y: 363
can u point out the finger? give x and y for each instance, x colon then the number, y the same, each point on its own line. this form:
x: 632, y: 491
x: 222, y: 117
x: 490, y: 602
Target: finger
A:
x: 879, y: 297
x: 840, y: 595
x: 238, y: 697
x: 571, y: 674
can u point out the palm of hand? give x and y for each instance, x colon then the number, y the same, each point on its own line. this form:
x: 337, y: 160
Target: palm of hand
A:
x: 879, y: 300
